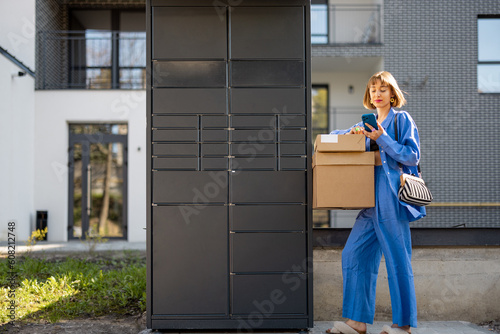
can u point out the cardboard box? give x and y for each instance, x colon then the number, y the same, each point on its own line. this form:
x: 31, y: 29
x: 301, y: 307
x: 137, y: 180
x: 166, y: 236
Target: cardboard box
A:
x: 343, y: 180
x: 340, y: 143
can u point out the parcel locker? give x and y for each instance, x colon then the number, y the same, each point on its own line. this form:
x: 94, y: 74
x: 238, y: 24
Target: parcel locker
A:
x: 229, y: 220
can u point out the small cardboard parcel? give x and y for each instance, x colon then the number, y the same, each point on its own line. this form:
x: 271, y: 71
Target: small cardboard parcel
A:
x: 343, y: 173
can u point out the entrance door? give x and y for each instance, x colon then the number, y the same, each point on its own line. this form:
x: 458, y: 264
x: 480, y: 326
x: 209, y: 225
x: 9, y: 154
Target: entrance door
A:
x: 97, y: 181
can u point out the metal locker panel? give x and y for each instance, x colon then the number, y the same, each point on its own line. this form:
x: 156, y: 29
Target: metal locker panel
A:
x: 294, y: 163
x: 253, y: 121
x: 175, y: 149
x: 214, y: 164
x: 209, y: 149
x: 293, y: 135
x: 189, y: 74
x: 189, y: 101
x: 292, y: 121
x: 212, y: 82
x: 254, y: 163
x: 262, y: 135
x: 292, y: 149
x: 214, y: 135
x: 268, y: 187
x: 214, y: 121
x: 175, y: 163
x: 190, y: 260
x: 189, y: 187
x: 162, y: 121
x: 270, y: 295
x: 253, y: 149
x: 267, y: 73
x: 175, y: 135
x: 203, y: 34
x: 258, y: 32
x: 267, y: 252
x: 268, y: 101
x: 267, y: 217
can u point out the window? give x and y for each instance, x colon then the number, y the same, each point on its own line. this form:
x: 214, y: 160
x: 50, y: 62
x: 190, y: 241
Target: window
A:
x: 333, y: 23
x: 488, y: 65
x: 107, y: 49
x: 319, y: 22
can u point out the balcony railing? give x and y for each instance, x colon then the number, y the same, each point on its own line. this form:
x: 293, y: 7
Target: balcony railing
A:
x: 91, y: 60
x: 346, y: 24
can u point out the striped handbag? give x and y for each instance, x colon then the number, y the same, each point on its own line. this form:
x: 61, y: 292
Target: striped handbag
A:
x: 413, y: 189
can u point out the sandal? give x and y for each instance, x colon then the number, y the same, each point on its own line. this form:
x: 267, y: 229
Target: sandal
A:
x: 340, y: 327
x: 393, y: 330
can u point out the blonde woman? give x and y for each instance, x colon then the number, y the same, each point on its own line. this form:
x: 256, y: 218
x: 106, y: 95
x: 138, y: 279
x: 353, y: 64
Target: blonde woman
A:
x: 383, y: 229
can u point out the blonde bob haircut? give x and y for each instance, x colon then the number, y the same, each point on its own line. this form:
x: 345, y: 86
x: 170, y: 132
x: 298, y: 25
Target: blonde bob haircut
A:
x: 387, y: 79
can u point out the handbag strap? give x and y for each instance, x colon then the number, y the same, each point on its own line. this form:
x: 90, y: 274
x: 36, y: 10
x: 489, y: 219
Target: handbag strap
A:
x: 396, y: 135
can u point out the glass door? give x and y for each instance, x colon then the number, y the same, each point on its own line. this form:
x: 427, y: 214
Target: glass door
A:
x: 320, y: 120
x: 98, y: 182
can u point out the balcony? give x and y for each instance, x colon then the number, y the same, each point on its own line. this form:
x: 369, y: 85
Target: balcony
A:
x: 91, y: 59
x: 346, y: 24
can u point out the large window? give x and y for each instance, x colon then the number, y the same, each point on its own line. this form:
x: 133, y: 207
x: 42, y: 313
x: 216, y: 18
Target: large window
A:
x: 103, y: 49
x: 488, y: 67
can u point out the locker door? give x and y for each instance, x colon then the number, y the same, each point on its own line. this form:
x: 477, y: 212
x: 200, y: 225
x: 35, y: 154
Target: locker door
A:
x: 190, y: 260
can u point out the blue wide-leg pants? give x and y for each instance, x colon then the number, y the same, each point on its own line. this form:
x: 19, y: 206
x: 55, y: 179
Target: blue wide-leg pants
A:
x: 378, y: 231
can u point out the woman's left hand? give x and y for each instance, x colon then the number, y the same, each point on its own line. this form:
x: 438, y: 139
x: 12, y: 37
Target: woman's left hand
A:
x: 375, y: 133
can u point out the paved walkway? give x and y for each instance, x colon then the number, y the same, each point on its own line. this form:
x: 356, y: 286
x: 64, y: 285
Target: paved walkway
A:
x: 74, y: 246
x: 425, y: 327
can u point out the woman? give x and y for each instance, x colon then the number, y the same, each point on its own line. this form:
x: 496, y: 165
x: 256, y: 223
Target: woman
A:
x: 383, y: 229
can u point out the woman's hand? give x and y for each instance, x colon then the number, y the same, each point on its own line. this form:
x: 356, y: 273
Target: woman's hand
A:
x: 356, y: 130
x: 375, y: 133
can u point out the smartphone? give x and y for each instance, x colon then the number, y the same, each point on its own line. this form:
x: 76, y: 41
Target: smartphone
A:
x: 370, y: 119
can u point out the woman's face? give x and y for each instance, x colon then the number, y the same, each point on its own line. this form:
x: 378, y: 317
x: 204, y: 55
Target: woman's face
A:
x: 380, y: 95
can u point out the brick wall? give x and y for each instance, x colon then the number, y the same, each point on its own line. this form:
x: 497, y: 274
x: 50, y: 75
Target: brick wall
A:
x: 431, y: 49
x: 49, y: 56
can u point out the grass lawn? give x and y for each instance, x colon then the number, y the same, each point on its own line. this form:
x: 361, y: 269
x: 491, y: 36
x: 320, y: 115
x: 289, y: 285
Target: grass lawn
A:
x: 51, y: 287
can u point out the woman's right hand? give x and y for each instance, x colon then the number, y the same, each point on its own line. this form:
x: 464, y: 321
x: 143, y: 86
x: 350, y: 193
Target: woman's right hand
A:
x: 356, y: 130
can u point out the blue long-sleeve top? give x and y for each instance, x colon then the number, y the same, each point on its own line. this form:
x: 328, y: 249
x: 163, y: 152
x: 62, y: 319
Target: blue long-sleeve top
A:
x: 405, y: 151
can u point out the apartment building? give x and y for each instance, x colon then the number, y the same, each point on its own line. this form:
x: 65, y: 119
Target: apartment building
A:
x: 86, y: 106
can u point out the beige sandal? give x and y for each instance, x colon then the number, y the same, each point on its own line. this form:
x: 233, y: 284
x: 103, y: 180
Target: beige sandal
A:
x: 390, y: 330
x: 340, y: 327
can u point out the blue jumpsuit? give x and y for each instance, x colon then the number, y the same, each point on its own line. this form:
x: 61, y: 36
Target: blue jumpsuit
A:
x: 384, y: 229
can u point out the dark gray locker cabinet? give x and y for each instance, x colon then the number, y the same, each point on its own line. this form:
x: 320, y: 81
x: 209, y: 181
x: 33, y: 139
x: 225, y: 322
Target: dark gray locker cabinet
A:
x: 229, y: 220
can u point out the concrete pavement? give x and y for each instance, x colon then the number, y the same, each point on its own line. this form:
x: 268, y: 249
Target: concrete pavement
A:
x: 425, y: 327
